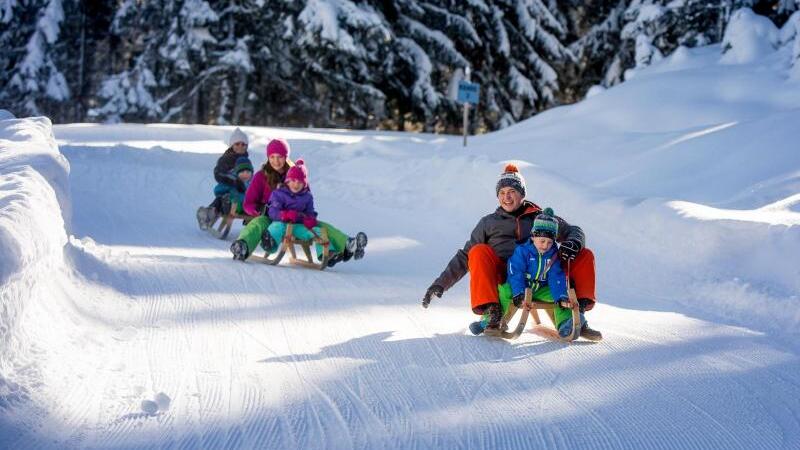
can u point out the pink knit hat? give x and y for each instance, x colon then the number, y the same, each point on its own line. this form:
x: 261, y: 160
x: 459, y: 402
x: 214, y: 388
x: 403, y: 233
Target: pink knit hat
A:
x: 298, y: 172
x: 278, y: 146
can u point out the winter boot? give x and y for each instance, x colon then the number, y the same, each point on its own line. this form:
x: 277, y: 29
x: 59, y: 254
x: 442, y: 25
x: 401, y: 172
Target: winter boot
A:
x: 208, y: 216
x: 477, y: 327
x: 361, y: 244
x: 267, y: 242
x: 355, y: 246
x: 590, y: 334
x: 201, y: 218
x: 225, y: 204
x: 239, y: 250
x: 495, y: 315
x: 335, y: 258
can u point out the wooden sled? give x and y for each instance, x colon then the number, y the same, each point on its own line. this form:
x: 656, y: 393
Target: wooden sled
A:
x: 225, y: 222
x: 539, y: 329
x: 289, y: 242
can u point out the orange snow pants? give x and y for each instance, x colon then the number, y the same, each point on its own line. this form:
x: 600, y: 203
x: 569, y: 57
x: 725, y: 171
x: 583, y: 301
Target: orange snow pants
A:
x: 487, y: 271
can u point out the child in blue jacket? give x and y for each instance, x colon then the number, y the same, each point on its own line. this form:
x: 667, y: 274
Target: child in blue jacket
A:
x: 535, y: 264
x: 225, y: 193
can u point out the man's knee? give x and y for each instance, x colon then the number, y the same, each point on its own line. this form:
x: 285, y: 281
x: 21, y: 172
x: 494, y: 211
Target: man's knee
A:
x: 480, y: 250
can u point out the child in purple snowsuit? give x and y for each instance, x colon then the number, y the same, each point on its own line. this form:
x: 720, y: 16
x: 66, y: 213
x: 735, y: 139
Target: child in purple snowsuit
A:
x: 292, y: 203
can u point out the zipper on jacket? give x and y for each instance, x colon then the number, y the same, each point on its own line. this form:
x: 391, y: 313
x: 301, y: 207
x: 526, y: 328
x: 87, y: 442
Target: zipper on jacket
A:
x: 538, y: 269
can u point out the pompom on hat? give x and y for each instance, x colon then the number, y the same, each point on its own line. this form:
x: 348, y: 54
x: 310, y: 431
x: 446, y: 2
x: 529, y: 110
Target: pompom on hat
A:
x: 278, y: 146
x: 298, y: 172
x: 511, y: 178
x: 545, y: 225
x: 238, y: 136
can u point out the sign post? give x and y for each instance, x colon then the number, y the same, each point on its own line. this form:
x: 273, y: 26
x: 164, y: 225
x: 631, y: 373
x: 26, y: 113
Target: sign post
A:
x: 468, y: 93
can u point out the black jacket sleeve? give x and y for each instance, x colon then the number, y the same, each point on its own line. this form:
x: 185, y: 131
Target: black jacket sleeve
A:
x: 569, y: 232
x: 225, y: 164
x: 457, y: 267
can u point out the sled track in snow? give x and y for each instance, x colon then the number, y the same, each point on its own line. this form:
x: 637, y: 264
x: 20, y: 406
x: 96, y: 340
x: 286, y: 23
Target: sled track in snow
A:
x: 285, y: 357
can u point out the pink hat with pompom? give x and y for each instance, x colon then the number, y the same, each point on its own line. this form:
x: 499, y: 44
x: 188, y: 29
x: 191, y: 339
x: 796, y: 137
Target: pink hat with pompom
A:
x: 298, y: 172
x: 278, y: 146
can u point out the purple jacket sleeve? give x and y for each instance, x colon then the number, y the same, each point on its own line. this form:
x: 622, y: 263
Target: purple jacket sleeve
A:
x: 275, y: 206
x: 309, y: 210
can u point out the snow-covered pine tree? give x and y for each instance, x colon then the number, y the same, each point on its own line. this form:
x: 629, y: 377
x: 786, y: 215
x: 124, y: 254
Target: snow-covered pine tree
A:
x: 338, y: 45
x: 164, y: 62
x: 422, y: 59
x: 31, y: 71
x: 790, y: 39
x: 232, y: 56
x: 131, y: 91
x: 513, y: 48
x: 648, y: 30
x: 598, y: 61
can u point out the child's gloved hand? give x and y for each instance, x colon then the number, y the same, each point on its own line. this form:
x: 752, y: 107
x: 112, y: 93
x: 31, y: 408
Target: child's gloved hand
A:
x: 240, y: 186
x: 310, y: 222
x: 565, y: 303
x: 289, y: 216
x: 518, y: 299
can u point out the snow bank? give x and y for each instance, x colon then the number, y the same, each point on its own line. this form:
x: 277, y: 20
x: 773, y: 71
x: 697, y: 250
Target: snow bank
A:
x: 748, y: 37
x: 33, y: 177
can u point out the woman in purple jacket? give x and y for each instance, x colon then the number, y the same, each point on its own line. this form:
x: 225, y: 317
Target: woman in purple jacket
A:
x: 293, y: 203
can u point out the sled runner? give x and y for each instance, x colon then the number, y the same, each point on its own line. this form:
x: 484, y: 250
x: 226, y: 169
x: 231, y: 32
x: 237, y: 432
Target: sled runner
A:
x: 225, y: 223
x: 502, y: 331
x: 532, y: 307
x: 289, y: 242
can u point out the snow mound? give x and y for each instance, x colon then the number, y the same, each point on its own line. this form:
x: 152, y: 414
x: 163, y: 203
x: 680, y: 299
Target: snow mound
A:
x: 33, y: 175
x: 748, y: 37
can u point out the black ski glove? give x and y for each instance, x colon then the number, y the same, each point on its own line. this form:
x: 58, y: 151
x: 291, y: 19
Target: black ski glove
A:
x: 240, y: 186
x: 518, y: 299
x: 585, y: 304
x: 436, y: 290
x: 569, y: 250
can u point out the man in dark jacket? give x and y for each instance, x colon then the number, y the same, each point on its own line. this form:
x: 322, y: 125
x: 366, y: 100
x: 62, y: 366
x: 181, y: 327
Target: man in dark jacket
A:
x: 493, y: 241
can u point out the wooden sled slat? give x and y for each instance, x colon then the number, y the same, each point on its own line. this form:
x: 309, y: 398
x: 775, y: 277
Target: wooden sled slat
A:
x: 502, y: 331
x: 226, y: 222
x: 550, y: 332
x: 288, y: 244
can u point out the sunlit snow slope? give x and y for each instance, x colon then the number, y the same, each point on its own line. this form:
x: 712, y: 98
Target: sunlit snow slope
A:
x: 686, y: 180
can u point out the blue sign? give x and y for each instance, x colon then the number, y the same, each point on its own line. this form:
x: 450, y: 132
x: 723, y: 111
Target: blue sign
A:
x: 468, y: 92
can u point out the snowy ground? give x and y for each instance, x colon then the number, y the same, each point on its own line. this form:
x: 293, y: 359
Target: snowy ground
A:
x: 686, y: 180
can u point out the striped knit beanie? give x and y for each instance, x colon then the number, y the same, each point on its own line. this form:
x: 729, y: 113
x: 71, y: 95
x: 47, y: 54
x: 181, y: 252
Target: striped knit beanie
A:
x: 545, y: 225
x: 511, y: 178
x: 242, y: 163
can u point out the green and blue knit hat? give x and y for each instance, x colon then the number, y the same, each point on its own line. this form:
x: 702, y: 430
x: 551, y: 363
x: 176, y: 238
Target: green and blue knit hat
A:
x: 242, y: 163
x: 545, y: 225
